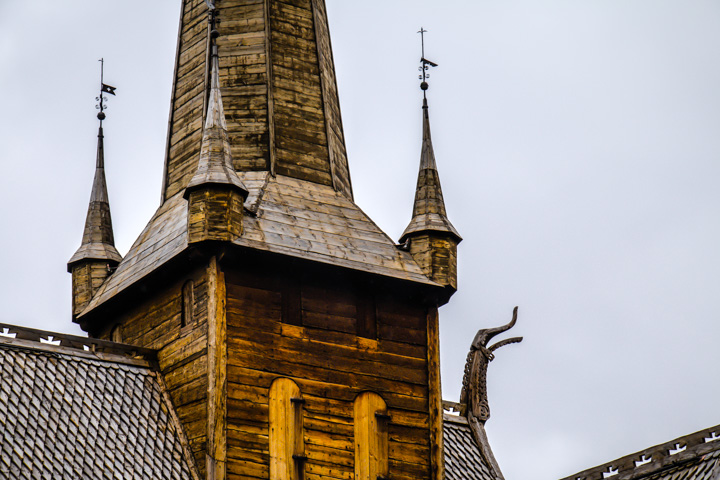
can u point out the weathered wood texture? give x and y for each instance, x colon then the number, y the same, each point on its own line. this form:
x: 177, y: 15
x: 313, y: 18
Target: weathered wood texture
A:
x: 215, y: 213
x: 295, y: 218
x: 217, y: 373
x: 155, y: 322
x: 435, y: 410
x: 436, y: 254
x: 87, y: 276
x: 278, y: 86
x: 330, y: 363
x: 287, y: 442
x: 371, y: 437
x: 335, y: 133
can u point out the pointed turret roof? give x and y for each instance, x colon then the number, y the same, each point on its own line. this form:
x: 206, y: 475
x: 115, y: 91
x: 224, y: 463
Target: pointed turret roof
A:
x: 429, y: 210
x: 98, y: 242
x: 282, y: 124
x: 215, y: 164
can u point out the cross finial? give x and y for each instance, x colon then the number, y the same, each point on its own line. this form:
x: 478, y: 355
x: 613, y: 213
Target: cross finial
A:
x: 425, y: 64
x: 101, y: 99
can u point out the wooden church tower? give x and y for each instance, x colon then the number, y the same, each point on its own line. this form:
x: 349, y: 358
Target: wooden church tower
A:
x: 297, y: 340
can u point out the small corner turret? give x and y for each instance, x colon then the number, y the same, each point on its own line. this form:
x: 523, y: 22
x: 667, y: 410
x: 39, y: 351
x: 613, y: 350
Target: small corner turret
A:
x: 215, y: 194
x: 430, y: 237
x: 97, y: 256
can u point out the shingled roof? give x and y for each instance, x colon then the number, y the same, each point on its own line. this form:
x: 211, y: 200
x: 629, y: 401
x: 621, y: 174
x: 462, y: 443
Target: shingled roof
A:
x: 692, y: 457
x: 286, y: 216
x: 74, y: 413
x: 464, y: 460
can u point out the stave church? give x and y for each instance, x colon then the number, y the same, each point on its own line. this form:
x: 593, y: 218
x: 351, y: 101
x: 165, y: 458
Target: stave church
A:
x: 262, y: 326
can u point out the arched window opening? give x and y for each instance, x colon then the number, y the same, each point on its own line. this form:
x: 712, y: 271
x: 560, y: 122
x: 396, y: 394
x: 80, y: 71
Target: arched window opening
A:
x: 287, y: 443
x: 188, y: 303
x: 371, y: 437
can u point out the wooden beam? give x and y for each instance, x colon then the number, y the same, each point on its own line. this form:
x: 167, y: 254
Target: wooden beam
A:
x: 217, y: 374
x: 435, y: 395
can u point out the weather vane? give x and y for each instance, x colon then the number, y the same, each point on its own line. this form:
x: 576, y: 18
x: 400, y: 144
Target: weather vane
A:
x: 425, y: 64
x: 102, y: 100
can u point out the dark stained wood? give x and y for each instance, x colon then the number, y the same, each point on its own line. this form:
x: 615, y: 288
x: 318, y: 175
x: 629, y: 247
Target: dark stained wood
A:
x: 435, y: 410
x: 330, y: 363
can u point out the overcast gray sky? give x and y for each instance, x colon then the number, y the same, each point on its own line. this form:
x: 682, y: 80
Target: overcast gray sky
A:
x: 578, y: 147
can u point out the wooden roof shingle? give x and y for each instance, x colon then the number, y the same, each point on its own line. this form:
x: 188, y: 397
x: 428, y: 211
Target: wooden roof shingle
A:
x: 84, y: 415
x: 464, y: 459
x: 286, y: 216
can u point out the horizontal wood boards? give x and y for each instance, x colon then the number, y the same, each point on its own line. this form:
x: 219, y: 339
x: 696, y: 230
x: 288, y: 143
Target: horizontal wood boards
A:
x: 331, y: 368
x: 279, y: 92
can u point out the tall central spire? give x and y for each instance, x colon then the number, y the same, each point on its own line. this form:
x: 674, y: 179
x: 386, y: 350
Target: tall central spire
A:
x: 281, y: 100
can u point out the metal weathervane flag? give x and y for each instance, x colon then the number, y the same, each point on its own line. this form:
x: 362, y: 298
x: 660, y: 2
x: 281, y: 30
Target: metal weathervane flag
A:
x: 108, y: 89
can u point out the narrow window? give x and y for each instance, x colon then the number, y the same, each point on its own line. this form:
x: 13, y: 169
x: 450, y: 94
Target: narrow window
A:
x: 116, y: 334
x: 287, y: 445
x: 292, y: 299
x: 371, y: 437
x: 188, y: 303
x: 366, y: 315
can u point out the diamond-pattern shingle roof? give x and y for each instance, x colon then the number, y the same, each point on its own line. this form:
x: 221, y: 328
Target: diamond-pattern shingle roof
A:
x: 80, y: 415
x: 464, y: 459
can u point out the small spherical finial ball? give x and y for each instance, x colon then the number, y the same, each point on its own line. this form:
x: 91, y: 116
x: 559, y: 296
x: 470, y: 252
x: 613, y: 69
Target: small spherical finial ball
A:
x: 214, y: 33
x: 424, y: 86
x: 101, y: 116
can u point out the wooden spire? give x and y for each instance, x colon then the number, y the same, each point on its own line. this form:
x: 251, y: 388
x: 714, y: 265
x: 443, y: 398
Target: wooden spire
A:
x: 281, y: 100
x: 215, y: 193
x: 98, y: 242
x: 429, y: 210
x: 97, y: 255
x: 431, y: 237
x: 215, y: 164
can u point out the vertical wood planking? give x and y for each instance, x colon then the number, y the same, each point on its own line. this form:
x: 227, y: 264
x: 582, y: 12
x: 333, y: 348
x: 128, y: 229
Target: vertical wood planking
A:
x: 435, y: 400
x: 287, y: 444
x: 217, y: 374
x: 371, y: 437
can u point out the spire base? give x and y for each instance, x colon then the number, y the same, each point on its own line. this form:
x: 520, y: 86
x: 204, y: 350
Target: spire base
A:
x: 215, y: 214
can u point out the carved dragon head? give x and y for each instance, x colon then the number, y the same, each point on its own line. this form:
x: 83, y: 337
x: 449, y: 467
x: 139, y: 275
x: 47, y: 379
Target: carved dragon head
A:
x: 474, y: 398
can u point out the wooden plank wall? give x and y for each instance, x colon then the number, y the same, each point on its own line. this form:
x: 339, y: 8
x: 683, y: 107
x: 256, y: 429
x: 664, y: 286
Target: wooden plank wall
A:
x: 242, y: 46
x: 156, y: 323
x: 278, y: 85
x: 332, y: 365
x: 333, y: 118
x: 300, y: 132
x: 185, y: 129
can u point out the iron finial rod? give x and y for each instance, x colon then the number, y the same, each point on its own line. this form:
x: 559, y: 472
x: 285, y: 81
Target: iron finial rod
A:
x: 425, y: 64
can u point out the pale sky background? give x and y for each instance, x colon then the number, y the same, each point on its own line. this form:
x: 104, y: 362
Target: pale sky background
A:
x: 578, y: 147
